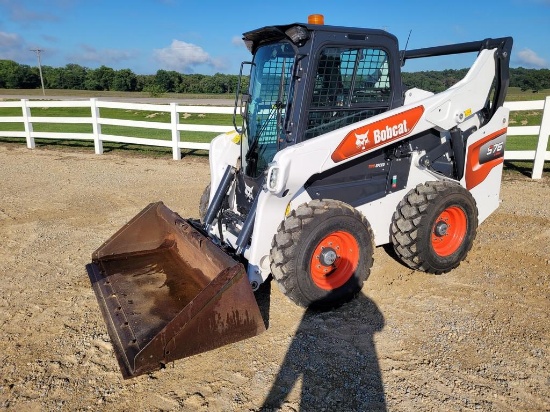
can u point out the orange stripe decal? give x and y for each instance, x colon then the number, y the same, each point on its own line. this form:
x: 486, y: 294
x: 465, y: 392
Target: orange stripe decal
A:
x: 381, y: 132
x: 483, y: 155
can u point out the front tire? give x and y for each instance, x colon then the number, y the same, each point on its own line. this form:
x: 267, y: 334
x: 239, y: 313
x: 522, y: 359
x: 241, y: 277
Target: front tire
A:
x: 434, y: 226
x: 322, y: 253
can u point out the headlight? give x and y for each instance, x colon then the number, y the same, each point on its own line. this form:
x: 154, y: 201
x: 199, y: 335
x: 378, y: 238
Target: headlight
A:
x: 275, y: 181
x: 298, y: 34
x: 273, y: 175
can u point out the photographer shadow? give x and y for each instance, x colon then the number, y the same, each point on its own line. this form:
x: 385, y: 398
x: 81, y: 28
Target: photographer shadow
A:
x: 333, y: 353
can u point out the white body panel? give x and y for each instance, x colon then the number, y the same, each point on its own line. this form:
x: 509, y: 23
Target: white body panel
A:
x: 487, y: 192
x: 457, y: 106
x: 225, y: 150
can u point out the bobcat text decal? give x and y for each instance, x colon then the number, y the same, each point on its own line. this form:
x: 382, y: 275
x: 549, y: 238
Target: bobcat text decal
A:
x: 378, y: 133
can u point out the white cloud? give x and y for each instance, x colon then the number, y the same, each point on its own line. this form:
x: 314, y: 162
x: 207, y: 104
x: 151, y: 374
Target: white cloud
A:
x: 19, y: 13
x: 90, y: 55
x: 183, y: 57
x: 9, y: 40
x: 530, y: 59
x: 13, y: 47
x: 237, y: 41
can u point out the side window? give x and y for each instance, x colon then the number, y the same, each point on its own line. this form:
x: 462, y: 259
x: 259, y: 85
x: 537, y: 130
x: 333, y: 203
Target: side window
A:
x: 350, y: 85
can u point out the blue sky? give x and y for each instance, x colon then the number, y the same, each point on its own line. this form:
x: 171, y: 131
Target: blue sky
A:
x: 204, y: 36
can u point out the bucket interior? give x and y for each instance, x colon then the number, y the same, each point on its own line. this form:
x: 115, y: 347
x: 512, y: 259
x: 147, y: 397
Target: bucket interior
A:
x: 160, y: 282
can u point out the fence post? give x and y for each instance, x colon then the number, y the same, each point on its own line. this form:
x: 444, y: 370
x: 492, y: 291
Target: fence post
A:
x: 538, y: 164
x: 96, y: 126
x: 176, y: 151
x: 28, y: 124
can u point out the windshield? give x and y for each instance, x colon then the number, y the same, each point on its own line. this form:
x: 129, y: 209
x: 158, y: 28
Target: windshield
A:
x: 270, y: 88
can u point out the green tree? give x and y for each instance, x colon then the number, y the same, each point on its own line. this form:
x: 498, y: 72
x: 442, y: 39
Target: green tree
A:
x: 194, y: 83
x: 99, y: 79
x: 154, y: 90
x: 53, y: 77
x: 143, y: 81
x: 124, y: 81
x: 168, y: 80
x: 74, y: 77
x: 18, y: 76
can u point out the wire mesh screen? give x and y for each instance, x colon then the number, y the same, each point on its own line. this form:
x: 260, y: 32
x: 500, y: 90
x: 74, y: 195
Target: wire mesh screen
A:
x: 276, y: 74
x: 351, y: 84
x: 321, y: 122
x: 270, y: 88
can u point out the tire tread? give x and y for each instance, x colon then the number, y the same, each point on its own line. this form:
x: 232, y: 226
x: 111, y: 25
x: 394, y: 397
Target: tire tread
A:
x: 410, y: 216
x: 285, y: 242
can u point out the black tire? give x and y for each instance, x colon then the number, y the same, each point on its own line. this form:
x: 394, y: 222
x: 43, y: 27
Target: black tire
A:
x: 204, y: 202
x: 322, y: 253
x: 434, y: 226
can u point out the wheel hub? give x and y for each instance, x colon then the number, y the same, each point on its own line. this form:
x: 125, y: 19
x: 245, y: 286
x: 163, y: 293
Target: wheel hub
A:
x: 328, y: 256
x: 449, y: 231
x: 334, y: 260
x: 441, y: 228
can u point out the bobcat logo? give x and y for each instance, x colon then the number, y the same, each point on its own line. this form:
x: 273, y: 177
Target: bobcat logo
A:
x: 362, y: 140
x: 248, y: 193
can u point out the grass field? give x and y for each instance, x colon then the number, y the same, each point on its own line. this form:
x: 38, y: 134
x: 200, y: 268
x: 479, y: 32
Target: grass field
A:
x: 9, y: 93
x: 514, y: 94
x: 161, y: 117
x: 523, y: 118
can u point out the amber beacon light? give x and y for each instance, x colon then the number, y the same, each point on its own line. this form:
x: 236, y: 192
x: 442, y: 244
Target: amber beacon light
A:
x: 316, y: 19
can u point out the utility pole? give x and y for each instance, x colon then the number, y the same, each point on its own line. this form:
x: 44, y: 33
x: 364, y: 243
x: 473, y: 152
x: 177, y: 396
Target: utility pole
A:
x: 38, y: 51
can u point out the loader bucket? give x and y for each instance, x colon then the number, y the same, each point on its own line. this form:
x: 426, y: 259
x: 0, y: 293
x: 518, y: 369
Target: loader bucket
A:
x: 166, y: 292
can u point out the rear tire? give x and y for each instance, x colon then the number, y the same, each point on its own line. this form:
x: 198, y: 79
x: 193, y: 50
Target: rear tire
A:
x: 434, y: 226
x: 322, y: 253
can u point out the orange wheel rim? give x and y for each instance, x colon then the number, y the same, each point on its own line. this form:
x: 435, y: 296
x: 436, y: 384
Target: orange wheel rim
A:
x: 449, y: 231
x: 334, y: 260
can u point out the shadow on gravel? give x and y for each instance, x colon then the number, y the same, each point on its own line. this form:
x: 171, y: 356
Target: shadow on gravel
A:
x: 388, y: 248
x: 334, y: 355
x: 524, y: 168
x: 263, y: 299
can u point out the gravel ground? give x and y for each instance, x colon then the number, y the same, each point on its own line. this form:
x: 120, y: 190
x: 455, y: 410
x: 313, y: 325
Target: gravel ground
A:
x: 474, y: 339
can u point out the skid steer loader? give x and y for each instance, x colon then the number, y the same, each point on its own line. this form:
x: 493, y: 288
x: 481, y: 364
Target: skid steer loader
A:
x: 331, y: 157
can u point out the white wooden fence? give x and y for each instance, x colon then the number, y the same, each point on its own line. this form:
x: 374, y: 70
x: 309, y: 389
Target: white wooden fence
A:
x: 176, y: 143
x: 538, y: 156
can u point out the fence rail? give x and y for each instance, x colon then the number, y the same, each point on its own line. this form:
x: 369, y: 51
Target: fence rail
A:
x: 95, y: 119
x: 538, y: 156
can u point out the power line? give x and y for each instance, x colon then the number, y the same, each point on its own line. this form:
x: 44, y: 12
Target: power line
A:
x: 38, y: 51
